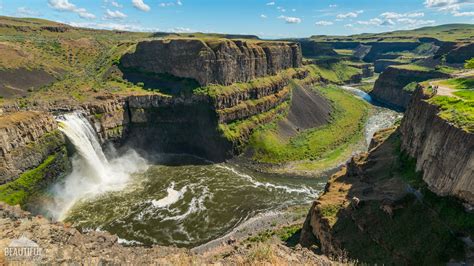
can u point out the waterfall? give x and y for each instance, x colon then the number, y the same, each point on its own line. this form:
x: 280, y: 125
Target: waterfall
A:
x: 92, y: 172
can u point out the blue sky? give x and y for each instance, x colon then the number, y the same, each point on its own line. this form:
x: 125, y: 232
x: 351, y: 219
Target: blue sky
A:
x: 266, y: 18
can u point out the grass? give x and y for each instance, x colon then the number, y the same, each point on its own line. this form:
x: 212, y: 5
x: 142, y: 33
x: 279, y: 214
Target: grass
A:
x: 337, y: 73
x: 448, y: 32
x: 459, y: 111
x: 459, y: 83
x: 414, y: 67
x: 411, y: 87
x: 264, y: 82
x: 345, y: 127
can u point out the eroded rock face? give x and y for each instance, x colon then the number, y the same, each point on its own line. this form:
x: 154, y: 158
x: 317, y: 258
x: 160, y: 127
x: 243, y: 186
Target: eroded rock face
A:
x: 219, y: 61
x: 389, y: 86
x: 460, y: 54
x: 444, y: 153
x: 26, y: 139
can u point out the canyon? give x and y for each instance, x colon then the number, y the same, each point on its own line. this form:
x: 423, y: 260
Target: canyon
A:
x: 192, y: 127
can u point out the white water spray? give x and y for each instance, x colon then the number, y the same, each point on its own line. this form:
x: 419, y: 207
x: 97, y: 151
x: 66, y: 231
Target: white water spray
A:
x: 92, y: 173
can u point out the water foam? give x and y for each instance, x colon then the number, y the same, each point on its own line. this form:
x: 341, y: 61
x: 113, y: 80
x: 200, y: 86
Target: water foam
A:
x: 172, y: 197
x: 303, y: 190
x: 92, y: 173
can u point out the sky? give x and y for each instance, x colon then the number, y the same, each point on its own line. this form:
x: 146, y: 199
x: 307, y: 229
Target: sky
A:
x: 265, y: 18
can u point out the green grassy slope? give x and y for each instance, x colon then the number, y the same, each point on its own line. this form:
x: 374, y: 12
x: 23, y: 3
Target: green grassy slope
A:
x: 448, y: 32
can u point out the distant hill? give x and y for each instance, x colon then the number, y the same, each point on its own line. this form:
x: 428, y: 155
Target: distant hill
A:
x: 448, y: 32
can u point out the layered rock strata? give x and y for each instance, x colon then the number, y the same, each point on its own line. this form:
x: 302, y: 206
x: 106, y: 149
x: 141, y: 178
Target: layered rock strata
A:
x: 214, y: 61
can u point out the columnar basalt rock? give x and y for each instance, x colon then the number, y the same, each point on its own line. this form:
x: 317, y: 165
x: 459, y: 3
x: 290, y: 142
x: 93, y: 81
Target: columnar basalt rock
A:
x: 214, y: 61
x: 444, y: 152
x: 26, y: 140
x: 389, y: 87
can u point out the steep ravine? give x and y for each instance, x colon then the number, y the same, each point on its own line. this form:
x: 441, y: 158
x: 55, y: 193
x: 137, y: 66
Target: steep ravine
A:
x: 423, y: 169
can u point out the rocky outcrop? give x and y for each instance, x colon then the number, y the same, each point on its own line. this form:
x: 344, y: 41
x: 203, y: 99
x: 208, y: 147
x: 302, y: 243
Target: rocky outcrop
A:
x: 26, y: 140
x: 389, y: 87
x: 62, y: 244
x: 312, y: 49
x: 109, y: 116
x: 377, y: 203
x: 177, y: 125
x: 460, y: 54
x: 379, y: 48
x: 382, y: 64
x: 443, y: 151
x: 214, y: 61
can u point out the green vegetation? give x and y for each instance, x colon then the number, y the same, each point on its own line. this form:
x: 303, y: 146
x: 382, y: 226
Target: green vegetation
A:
x: 337, y: 73
x: 448, y: 32
x: 464, y: 83
x: 346, y: 127
x: 371, y: 235
x: 469, y: 64
x: 414, y: 67
x: 411, y: 87
x: 458, y: 110
x: 222, y: 90
x: 284, y: 234
x: 31, y: 181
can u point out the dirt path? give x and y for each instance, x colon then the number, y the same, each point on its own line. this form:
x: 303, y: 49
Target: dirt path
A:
x: 447, y: 91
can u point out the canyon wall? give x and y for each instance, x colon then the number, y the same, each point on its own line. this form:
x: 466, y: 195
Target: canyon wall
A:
x: 460, y: 54
x: 176, y: 125
x: 26, y: 140
x: 214, y: 61
x: 389, y: 87
x: 444, y: 152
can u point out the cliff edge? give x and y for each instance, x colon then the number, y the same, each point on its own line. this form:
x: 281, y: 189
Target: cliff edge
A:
x: 214, y: 61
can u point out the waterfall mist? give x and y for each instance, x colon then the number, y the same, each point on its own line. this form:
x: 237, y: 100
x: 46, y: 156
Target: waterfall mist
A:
x: 92, y: 172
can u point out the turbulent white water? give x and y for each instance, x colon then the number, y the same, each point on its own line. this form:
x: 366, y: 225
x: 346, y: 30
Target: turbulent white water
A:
x: 92, y: 173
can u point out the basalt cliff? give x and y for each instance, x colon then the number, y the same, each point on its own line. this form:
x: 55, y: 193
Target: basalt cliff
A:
x: 391, y: 87
x: 214, y: 61
x: 422, y: 169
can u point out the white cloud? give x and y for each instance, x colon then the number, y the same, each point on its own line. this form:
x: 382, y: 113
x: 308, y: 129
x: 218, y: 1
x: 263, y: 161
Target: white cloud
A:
x: 392, y: 21
x: 324, y: 23
x: 290, y: 20
x: 281, y: 9
x: 166, y: 4
x: 453, y: 6
x: 25, y: 12
x: 349, y: 25
x: 350, y: 14
x: 139, y: 4
x: 113, y: 3
x: 263, y: 16
x: 181, y: 30
x: 393, y: 15
x: 462, y: 14
x: 332, y: 6
x: 65, y: 5
x: 270, y: 3
x: 113, y: 26
x: 109, y: 14
x: 374, y: 21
